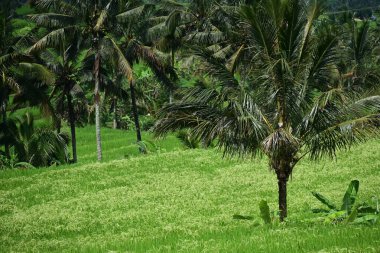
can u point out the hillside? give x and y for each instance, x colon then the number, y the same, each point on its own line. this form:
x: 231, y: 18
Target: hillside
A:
x: 178, y: 200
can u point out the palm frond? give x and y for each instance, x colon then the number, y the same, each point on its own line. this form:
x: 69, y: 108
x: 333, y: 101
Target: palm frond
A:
x: 52, y: 20
x: 207, y: 38
x: 37, y: 71
x: 135, y: 13
x: 102, y: 17
x: 235, y: 59
x: 312, y: 14
x: 216, y: 67
x: 340, y: 128
x: 237, y: 127
x: 172, y: 5
x: 122, y: 63
x: 53, y: 39
x: 173, y: 21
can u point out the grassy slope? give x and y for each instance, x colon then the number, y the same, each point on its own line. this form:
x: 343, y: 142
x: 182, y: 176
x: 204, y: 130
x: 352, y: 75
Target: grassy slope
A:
x: 176, y: 200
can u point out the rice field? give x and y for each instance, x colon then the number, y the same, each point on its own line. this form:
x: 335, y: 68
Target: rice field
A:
x: 178, y: 200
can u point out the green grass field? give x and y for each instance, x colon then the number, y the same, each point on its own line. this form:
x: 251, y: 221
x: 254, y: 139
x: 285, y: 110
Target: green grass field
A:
x: 177, y: 200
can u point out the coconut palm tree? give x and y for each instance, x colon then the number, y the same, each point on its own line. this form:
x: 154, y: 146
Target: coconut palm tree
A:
x: 91, y: 21
x: 13, y: 66
x: 65, y: 62
x: 360, y: 65
x: 177, y: 23
x: 291, y: 102
x: 137, y: 20
x: 7, y: 58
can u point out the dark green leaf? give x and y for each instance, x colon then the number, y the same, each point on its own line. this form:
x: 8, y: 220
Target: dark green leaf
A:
x: 324, y: 200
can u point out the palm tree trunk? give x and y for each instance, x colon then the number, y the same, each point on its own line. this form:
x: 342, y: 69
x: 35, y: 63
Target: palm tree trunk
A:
x: 97, y: 99
x: 171, y: 89
x: 115, y: 113
x: 4, y: 114
x: 58, y: 125
x: 135, y: 112
x: 72, y: 126
x: 170, y: 96
x: 283, y: 168
x: 282, y: 194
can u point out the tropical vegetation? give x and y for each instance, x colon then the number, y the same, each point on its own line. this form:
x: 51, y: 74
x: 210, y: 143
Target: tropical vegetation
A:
x: 287, y: 82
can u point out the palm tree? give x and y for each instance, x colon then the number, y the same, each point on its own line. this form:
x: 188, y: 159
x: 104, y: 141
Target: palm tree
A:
x: 179, y: 23
x: 360, y: 65
x: 93, y: 22
x: 291, y: 101
x: 12, y: 61
x: 66, y: 63
x: 7, y: 82
x: 137, y: 21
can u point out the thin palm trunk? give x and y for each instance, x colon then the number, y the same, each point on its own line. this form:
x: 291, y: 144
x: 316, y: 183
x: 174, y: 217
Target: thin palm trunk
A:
x: 97, y: 99
x: 135, y: 112
x: 170, y: 96
x: 72, y: 126
x: 58, y: 125
x: 171, y: 89
x: 4, y: 114
x: 115, y: 113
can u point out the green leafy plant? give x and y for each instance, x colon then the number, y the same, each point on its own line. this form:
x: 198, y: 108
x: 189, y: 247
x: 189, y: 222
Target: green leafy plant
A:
x: 349, y: 212
x: 143, y: 147
x: 268, y: 217
x: 265, y: 212
x: 12, y: 162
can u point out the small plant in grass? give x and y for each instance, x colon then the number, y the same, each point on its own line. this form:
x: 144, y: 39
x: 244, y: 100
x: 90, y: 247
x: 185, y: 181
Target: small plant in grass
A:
x: 348, y: 212
x: 268, y: 217
x: 146, y: 147
x: 265, y: 213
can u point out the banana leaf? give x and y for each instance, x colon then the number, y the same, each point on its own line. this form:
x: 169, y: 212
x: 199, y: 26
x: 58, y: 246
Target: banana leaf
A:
x: 350, y: 196
x: 324, y: 200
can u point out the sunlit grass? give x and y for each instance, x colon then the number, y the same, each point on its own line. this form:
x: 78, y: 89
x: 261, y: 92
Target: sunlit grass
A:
x: 175, y: 200
x: 119, y: 144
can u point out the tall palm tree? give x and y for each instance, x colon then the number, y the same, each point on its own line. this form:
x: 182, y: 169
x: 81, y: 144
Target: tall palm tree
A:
x: 11, y: 60
x: 66, y: 63
x: 291, y: 102
x: 177, y: 23
x: 93, y: 22
x: 7, y: 82
x: 136, y: 21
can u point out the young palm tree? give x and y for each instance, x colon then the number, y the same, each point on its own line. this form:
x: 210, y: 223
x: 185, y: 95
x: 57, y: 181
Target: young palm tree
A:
x: 291, y: 101
x: 92, y: 22
x: 39, y: 147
